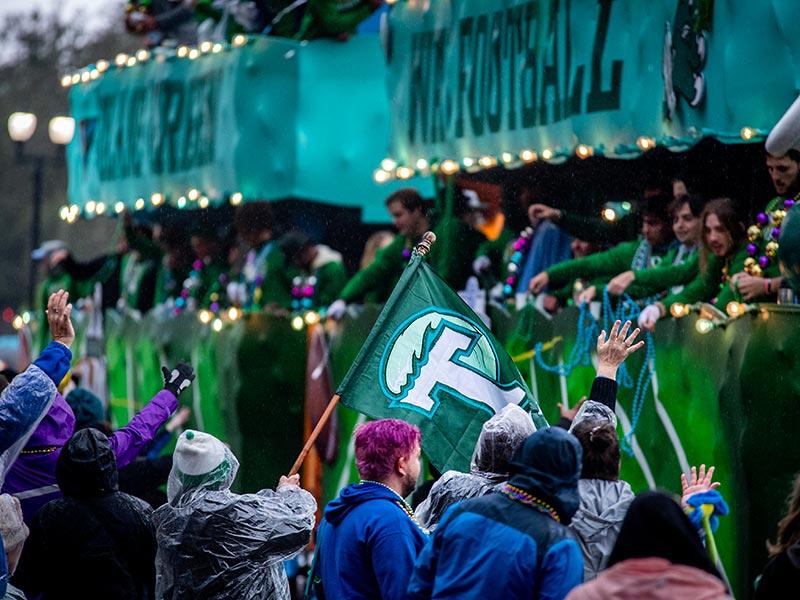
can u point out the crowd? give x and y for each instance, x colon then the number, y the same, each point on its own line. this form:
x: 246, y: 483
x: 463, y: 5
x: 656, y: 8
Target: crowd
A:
x: 541, y: 514
x: 687, y: 250
x: 190, y: 22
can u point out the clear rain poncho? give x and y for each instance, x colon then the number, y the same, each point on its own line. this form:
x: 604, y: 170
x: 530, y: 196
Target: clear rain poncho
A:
x: 499, y: 438
x: 214, y: 544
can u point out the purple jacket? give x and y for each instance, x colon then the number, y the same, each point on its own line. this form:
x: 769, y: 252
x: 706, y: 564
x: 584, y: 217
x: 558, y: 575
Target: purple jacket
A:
x: 32, y: 477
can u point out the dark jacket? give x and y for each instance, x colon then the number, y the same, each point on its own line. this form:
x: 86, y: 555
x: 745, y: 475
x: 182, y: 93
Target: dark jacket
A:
x: 367, y: 545
x: 781, y: 576
x: 498, y: 547
x: 95, y: 542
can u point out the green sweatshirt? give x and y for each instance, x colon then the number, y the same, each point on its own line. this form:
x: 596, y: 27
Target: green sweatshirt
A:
x: 709, y: 284
x: 599, y: 265
x: 655, y: 280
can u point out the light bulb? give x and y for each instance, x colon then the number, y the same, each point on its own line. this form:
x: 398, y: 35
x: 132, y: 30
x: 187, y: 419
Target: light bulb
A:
x: 217, y: 325
x: 527, y: 156
x: 388, y: 164
x: 645, y: 143
x: 380, y: 176
x: 297, y: 323
x: 236, y: 198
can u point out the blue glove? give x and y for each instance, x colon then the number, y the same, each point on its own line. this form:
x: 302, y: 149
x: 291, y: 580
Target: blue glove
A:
x: 712, y: 497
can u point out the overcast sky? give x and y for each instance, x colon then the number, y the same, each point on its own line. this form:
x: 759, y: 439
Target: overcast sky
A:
x: 95, y: 11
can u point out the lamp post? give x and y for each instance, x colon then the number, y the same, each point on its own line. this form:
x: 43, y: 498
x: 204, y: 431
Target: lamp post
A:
x: 21, y: 127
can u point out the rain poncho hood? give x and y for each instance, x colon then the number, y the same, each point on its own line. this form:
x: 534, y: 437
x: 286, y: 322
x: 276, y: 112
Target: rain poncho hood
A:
x: 22, y: 406
x: 215, y: 544
x: 598, y: 520
x: 500, y: 437
x: 86, y: 407
x: 86, y: 466
x: 548, y: 466
x: 593, y: 411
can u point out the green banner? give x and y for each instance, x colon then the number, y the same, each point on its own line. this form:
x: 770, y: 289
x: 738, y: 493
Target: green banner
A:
x: 492, y: 79
x: 269, y: 120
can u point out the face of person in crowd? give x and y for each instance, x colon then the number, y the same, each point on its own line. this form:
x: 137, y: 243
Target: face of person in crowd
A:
x: 784, y: 173
x: 656, y: 232
x: 409, y: 467
x: 718, y: 238
x: 580, y: 248
x: 685, y: 225
x: 679, y: 188
x: 408, y: 223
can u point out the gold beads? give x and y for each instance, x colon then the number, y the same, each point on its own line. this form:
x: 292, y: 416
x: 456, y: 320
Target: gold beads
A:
x: 771, y: 249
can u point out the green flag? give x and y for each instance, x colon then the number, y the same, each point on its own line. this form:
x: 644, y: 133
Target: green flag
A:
x: 431, y: 361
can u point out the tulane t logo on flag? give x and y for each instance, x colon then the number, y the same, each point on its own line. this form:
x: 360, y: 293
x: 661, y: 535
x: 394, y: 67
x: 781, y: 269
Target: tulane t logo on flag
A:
x: 430, y: 361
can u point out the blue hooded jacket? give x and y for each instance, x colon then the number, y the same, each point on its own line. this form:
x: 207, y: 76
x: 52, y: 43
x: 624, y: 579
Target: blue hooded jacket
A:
x: 497, y: 547
x: 367, y: 545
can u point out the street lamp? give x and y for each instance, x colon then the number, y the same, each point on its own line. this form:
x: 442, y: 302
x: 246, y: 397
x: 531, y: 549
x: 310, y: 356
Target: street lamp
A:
x: 21, y: 127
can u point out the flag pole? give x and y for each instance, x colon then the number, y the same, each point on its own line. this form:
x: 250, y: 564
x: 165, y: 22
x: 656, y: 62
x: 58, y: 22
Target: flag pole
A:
x: 422, y: 248
x: 315, y: 434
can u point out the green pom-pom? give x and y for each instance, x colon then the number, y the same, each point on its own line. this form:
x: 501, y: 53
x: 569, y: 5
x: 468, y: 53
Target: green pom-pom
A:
x: 190, y: 435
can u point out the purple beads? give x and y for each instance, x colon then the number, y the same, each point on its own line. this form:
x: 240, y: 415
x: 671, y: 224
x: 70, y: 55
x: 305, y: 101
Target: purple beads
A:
x: 752, y: 249
x: 762, y: 218
x: 763, y: 262
x: 776, y: 233
x: 788, y: 203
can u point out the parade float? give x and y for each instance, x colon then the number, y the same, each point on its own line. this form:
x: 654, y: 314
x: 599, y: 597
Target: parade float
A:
x: 472, y: 86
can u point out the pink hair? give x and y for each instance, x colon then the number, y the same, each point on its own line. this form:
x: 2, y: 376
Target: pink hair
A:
x: 380, y: 443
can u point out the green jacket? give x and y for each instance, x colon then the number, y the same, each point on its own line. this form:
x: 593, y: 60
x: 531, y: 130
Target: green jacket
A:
x: 599, y: 265
x: 456, y: 244
x: 277, y: 286
x: 709, y: 284
x: 655, y: 280
x: 331, y: 278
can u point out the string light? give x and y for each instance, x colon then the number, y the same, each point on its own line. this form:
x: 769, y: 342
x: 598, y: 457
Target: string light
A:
x: 678, y: 310
x: 182, y: 51
x: 507, y: 157
x: 182, y: 202
x: 422, y: 164
x: 239, y: 40
x: 703, y: 326
x: 121, y: 59
x: 234, y: 313
x: 90, y: 206
x: 735, y: 309
x: 193, y: 53
x: 405, y: 173
x: 119, y: 207
x: 487, y: 161
x: 76, y: 78
x: 100, y: 208
x: 17, y: 323
x: 203, y: 202
x: 64, y: 213
x: 131, y: 61
x: 236, y: 198
x: 142, y: 55
x: 311, y: 318
x: 747, y: 133
x: 102, y: 66
x: 217, y: 325
x: 645, y: 143
x: 608, y: 215
x: 205, y: 316
x: 206, y: 46
x: 157, y: 199
x: 380, y: 176
x: 66, y: 81
x: 193, y: 194
x: 217, y: 48
x: 527, y: 156
x: 388, y: 164
x: 584, y: 151
x: 449, y: 166
x: 468, y: 161
x: 547, y: 154
x: 94, y: 74
x: 85, y: 77
x: 139, y: 204
x: 26, y: 317
x: 297, y: 323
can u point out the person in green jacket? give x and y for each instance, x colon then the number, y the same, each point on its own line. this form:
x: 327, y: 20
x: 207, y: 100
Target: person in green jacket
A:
x: 322, y: 274
x: 679, y: 265
x: 449, y: 256
x: 724, y: 255
x: 647, y: 252
x: 264, y: 280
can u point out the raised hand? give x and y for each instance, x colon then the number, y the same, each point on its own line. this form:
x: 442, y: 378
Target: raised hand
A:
x: 178, y: 379
x: 697, y: 482
x: 289, y: 480
x: 569, y: 413
x: 59, y: 319
x: 614, y: 349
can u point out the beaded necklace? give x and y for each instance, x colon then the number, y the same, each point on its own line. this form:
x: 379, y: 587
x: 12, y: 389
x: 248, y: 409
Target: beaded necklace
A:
x: 524, y: 497
x: 303, y: 289
x: 400, y: 502
x: 520, y: 246
x: 770, y: 235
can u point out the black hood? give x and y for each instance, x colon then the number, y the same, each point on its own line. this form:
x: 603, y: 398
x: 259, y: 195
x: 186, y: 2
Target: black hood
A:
x: 548, y: 465
x: 87, y: 465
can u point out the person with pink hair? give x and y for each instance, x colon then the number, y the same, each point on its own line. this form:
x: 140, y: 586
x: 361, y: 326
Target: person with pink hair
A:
x: 369, y: 538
